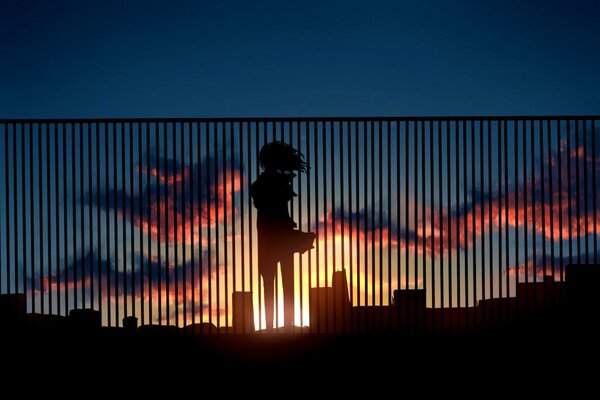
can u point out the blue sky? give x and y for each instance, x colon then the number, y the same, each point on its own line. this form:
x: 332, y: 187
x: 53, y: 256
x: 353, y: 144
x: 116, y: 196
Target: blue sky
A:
x: 309, y: 58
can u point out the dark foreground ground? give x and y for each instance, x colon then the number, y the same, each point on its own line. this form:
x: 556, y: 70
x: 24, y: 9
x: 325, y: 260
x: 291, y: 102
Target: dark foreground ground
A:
x: 548, y: 354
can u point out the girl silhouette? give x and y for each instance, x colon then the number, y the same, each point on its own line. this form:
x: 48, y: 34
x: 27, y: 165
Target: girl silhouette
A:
x: 278, y: 239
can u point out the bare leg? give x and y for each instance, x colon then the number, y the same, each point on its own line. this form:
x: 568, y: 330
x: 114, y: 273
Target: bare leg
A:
x: 287, y: 278
x: 269, y: 295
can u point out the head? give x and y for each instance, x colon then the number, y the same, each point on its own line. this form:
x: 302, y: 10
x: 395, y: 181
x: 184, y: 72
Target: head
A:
x: 281, y: 156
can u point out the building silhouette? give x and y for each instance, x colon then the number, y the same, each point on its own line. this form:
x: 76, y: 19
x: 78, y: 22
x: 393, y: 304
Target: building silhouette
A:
x: 243, y: 312
x: 329, y: 307
x: 573, y: 301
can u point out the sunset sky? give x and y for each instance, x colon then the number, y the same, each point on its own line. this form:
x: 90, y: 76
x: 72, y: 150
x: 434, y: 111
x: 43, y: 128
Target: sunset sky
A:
x: 311, y: 58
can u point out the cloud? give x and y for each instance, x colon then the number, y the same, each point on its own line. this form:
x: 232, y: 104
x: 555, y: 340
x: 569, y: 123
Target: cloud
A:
x: 90, y: 272
x: 176, y: 198
x: 550, y: 207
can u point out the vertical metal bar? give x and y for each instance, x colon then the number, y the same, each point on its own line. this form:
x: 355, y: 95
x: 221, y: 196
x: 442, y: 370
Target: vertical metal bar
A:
x: 516, y: 191
x: 357, y: 216
x: 594, y: 156
x: 200, y: 200
x: 365, y: 222
x: 325, y: 221
x: 98, y: 226
x: 380, y: 222
x: 380, y: 212
x: 48, y: 208
x: 560, y: 197
x: 15, y: 212
x: 441, y: 217
x: 23, y: 209
x: 76, y: 259
x: 140, y: 205
x: 482, y: 210
x: 500, y: 194
x: 149, y: 228
x: 318, y: 259
x: 193, y: 178
x: 31, y: 222
x: 4, y: 189
x: 449, y: 219
x: 543, y: 202
x: 354, y: 226
x: 309, y: 210
x: 176, y: 176
x: 132, y: 219
x: 7, y: 205
x: 185, y: 169
x: 242, y: 211
x: 398, y: 210
x: 570, y: 194
x: 350, y: 218
x: 333, y: 212
x: 66, y: 257
x: 290, y: 141
x: 94, y: 256
x: 167, y: 233
x: 432, y: 222
x: 300, y: 225
x: 507, y: 223
x: 82, y: 216
x: 417, y: 134
x: 585, y: 194
x: 250, y: 227
x: 533, y: 207
x: 108, y: 254
x: 525, y: 217
x: 373, y: 292
x: 490, y: 219
x: 183, y: 178
x: 458, y: 220
x: 356, y: 317
x: 551, y: 197
x: 258, y: 169
x: 217, y: 254
x: 232, y: 188
x: 577, y: 188
x: 209, y: 227
x: 225, y: 246
x: 57, y: 220
x: 473, y: 227
x: 423, y: 209
x: 465, y: 213
x: 117, y: 204
x: 159, y: 218
x: 40, y: 189
x: 389, y: 217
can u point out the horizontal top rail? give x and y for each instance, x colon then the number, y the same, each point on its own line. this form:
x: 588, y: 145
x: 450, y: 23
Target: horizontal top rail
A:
x: 303, y: 119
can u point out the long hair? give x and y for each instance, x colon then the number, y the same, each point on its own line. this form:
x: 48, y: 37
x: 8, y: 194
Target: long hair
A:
x: 282, y: 156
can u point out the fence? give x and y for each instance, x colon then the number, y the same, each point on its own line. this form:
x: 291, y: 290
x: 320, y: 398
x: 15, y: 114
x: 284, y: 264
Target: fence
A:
x: 153, y: 218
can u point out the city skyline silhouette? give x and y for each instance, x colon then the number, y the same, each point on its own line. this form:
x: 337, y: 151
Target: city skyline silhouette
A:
x: 153, y: 219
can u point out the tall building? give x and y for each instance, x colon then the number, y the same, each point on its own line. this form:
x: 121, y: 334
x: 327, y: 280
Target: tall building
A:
x: 329, y: 307
x: 243, y: 312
